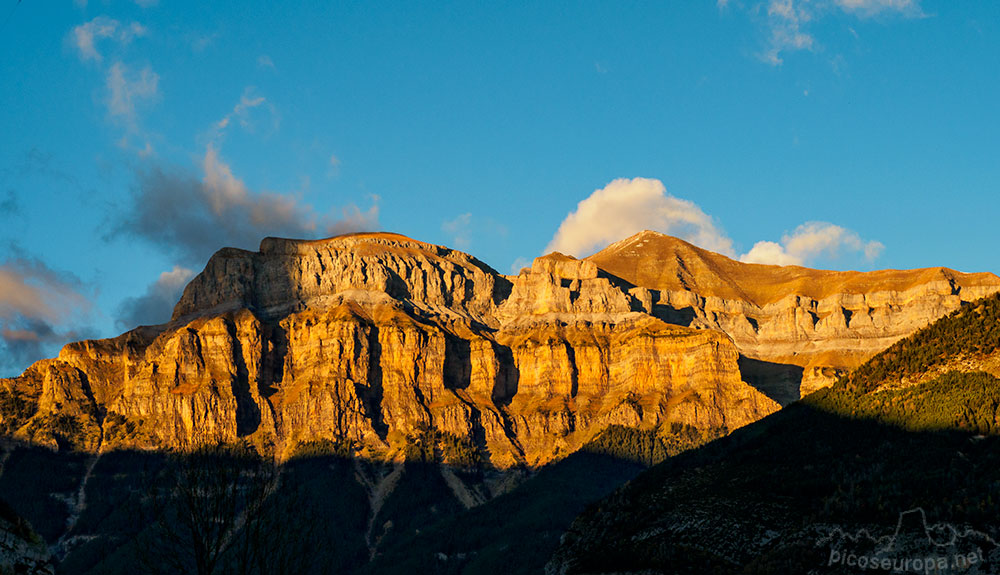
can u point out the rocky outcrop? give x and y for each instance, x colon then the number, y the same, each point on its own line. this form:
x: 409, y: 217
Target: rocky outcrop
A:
x: 21, y: 550
x: 373, y: 341
x: 796, y: 328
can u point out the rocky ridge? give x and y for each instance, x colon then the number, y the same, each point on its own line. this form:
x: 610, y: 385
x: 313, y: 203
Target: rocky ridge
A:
x: 797, y: 329
x: 376, y: 341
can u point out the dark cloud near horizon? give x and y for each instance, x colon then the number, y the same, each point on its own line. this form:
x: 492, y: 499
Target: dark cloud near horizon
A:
x: 33, y: 340
x: 41, y: 309
x: 157, y: 304
x: 191, y: 218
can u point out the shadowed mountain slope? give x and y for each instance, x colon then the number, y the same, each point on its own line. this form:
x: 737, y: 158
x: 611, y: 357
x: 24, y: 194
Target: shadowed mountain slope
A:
x: 914, y: 432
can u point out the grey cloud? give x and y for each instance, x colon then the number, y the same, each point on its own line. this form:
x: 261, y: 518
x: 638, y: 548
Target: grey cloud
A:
x: 40, y: 310
x: 189, y: 219
x: 157, y: 304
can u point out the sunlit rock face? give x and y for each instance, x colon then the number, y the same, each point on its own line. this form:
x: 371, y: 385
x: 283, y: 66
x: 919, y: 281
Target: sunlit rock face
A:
x: 796, y: 328
x: 373, y: 339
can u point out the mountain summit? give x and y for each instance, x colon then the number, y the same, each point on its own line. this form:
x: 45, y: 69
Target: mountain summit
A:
x: 378, y: 342
x: 796, y: 328
x: 421, y: 399
x: 371, y: 340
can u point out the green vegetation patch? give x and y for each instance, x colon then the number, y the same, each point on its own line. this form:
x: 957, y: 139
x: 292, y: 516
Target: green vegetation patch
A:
x: 956, y: 401
x: 433, y: 445
x: 650, y: 446
x: 973, y: 330
x: 15, y: 410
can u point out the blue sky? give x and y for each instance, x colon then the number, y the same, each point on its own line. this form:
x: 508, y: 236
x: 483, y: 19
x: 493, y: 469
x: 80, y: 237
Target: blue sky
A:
x: 136, y: 138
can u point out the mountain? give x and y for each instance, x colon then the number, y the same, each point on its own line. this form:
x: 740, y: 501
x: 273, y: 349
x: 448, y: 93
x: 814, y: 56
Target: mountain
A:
x: 420, y: 409
x: 374, y: 340
x: 898, y: 460
x: 797, y: 329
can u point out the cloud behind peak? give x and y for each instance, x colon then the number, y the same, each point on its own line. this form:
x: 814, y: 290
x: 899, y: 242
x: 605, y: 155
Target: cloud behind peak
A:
x: 627, y: 206
x: 190, y: 217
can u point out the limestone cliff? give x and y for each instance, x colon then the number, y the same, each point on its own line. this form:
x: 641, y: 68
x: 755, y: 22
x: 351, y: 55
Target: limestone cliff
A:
x: 796, y: 328
x: 374, y: 340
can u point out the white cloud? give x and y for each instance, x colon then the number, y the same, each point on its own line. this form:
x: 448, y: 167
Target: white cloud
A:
x: 788, y: 20
x: 460, y: 230
x: 518, y: 265
x: 627, y: 206
x: 127, y: 89
x: 85, y: 35
x: 769, y: 253
x: 809, y: 242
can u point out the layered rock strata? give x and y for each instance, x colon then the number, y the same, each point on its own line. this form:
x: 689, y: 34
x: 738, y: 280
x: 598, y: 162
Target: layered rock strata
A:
x: 374, y: 340
x: 796, y: 328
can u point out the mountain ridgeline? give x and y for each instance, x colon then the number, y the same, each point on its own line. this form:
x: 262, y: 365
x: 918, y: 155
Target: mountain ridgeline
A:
x: 371, y: 340
x: 432, y: 413
x: 912, y: 433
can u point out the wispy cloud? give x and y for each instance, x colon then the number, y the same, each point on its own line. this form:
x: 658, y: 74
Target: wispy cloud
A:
x: 626, y: 207
x: 86, y: 36
x: 264, y: 61
x: 870, y: 8
x: 128, y: 89
x: 333, y: 166
x: 460, y: 230
x: 40, y: 309
x: 156, y: 305
x: 241, y: 111
x: 518, y: 264
x: 190, y: 217
x: 788, y: 22
x: 244, y: 114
